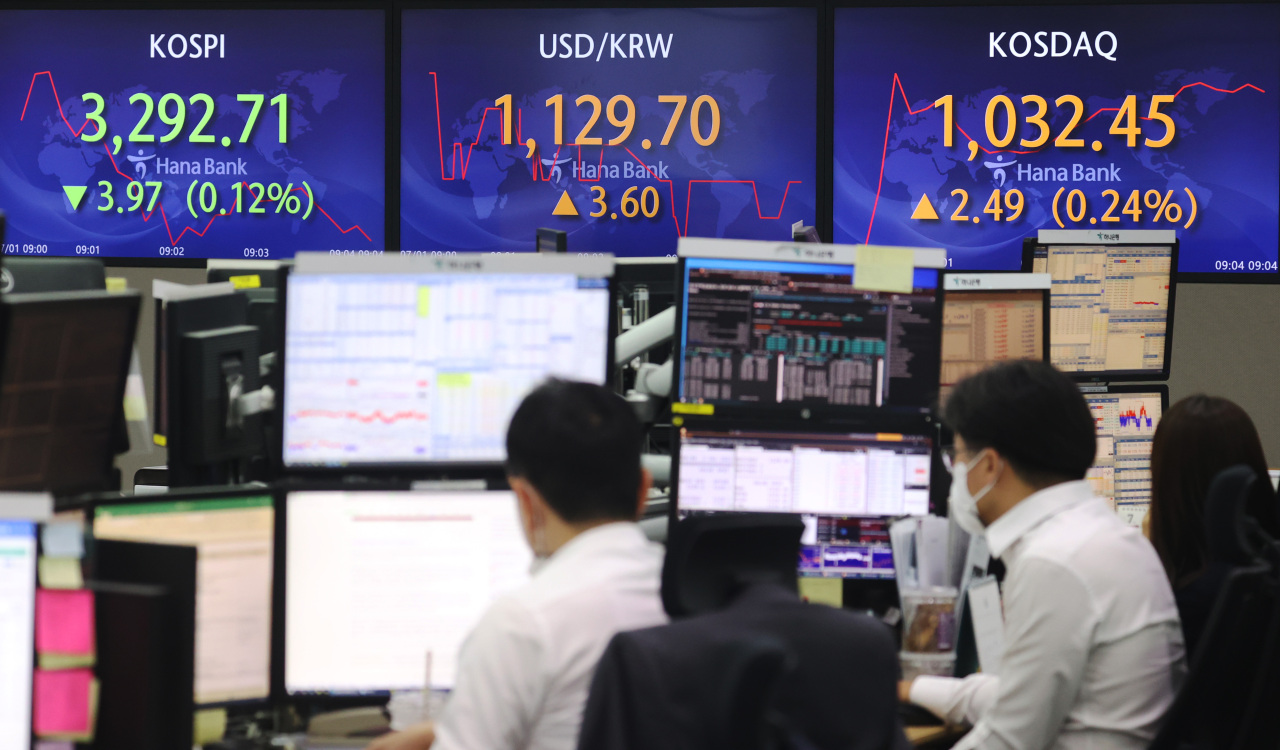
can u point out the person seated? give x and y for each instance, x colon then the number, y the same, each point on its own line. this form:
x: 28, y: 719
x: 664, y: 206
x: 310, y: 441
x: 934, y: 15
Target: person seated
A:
x: 1093, y: 649
x: 573, y: 461
x: 1198, y: 437
x: 730, y: 586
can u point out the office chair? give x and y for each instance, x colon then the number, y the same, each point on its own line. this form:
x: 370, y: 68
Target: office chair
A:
x: 745, y: 664
x: 1216, y: 706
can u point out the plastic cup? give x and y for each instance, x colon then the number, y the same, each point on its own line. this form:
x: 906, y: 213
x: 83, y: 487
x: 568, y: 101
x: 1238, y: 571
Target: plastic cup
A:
x: 914, y: 665
x: 929, y: 620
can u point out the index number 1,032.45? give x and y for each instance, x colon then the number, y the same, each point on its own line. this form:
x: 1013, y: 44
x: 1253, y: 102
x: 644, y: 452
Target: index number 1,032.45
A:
x: 1125, y: 123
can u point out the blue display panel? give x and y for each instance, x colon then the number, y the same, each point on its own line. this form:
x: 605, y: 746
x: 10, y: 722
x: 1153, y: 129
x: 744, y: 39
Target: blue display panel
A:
x: 192, y: 134
x: 1196, y: 87
x: 718, y: 133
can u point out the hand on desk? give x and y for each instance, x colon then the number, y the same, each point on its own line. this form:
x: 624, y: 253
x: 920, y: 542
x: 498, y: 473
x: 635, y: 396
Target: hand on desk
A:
x: 904, y: 691
x: 416, y: 737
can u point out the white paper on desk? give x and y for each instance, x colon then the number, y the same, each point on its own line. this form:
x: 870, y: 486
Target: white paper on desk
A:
x: 902, y: 538
x: 988, y: 624
x: 931, y: 551
x: 62, y: 539
x: 26, y: 506
x: 168, y: 290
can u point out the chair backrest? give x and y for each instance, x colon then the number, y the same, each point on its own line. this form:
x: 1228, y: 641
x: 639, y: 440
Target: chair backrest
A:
x: 753, y: 670
x: 1215, y: 703
x: 712, y: 557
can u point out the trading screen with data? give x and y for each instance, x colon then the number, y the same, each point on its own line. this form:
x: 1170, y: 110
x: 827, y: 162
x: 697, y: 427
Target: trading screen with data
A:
x: 172, y: 134
x: 1109, y: 310
x: 982, y: 328
x: 234, y: 541
x: 769, y: 332
x: 413, y: 368
x: 381, y: 588
x: 846, y: 487
x: 1121, y: 472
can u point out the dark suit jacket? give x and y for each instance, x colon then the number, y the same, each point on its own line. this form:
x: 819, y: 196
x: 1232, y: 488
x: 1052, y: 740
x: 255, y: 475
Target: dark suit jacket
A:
x: 653, y: 689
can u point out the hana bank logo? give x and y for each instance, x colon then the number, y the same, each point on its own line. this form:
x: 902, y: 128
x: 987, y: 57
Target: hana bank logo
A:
x: 998, y: 168
x: 140, y: 163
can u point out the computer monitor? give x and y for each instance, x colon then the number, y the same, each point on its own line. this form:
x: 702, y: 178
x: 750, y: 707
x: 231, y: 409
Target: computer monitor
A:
x: 413, y: 361
x: 375, y: 581
x: 233, y: 533
x: 17, y: 630
x: 1126, y: 418
x: 769, y: 324
x: 847, y: 484
x: 1111, y: 311
x: 28, y: 274
x: 66, y: 358
x: 989, y: 318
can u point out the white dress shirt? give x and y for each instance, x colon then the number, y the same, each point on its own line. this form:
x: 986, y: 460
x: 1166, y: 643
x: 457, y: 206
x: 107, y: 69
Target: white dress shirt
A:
x: 1093, y: 646
x: 524, y: 672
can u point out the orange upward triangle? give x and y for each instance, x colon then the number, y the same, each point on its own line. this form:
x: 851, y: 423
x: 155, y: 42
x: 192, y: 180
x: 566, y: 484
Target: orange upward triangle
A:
x: 565, y: 207
x: 924, y: 209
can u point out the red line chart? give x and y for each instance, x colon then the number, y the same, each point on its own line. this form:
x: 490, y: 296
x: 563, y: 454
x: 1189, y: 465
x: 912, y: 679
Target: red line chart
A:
x: 897, y: 87
x: 459, y: 159
x: 146, y: 217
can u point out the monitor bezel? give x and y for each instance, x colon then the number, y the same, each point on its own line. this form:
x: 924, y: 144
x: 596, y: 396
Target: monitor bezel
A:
x: 797, y: 410
x: 132, y: 301
x: 877, y: 421
x: 409, y: 471
x: 92, y: 504
x: 1029, y: 247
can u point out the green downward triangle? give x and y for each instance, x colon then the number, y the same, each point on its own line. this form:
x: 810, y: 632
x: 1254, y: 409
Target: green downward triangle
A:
x: 75, y: 193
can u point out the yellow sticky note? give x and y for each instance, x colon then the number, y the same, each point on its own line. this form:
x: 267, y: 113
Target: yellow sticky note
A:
x: 65, y: 661
x: 116, y: 284
x: 424, y: 301
x: 248, y: 281
x: 705, y: 410
x: 135, y: 409
x: 884, y: 269
x: 159, y: 440
x: 60, y: 573
x: 454, y: 380
x: 829, y: 591
x: 210, y: 726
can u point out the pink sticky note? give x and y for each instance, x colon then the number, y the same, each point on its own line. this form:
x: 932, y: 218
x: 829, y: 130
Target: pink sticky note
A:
x: 62, y: 701
x: 64, y: 621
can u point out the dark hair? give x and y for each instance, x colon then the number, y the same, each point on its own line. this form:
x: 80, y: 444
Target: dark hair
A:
x: 579, y: 445
x: 1029, y: 412
x: 1197, y: 438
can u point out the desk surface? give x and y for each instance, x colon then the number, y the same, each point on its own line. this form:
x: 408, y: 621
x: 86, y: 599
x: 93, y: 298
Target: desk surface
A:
x: 923, y: 735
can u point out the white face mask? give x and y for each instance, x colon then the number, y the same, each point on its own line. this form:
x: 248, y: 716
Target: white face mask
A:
x: 963, y: 505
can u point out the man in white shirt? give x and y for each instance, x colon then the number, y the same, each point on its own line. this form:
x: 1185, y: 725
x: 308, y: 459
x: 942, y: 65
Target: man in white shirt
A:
x: 573, y: 460
x: 1093, y: 648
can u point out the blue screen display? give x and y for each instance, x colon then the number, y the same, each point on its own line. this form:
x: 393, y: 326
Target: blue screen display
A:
x: 159, y: 134
x: 710, y: 114
x: 1196, y: 86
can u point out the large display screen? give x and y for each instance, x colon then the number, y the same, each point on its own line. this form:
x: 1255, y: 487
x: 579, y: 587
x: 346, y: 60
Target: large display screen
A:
x: 625, y: 128
x: 972, y: 127
x: 192, y: 134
